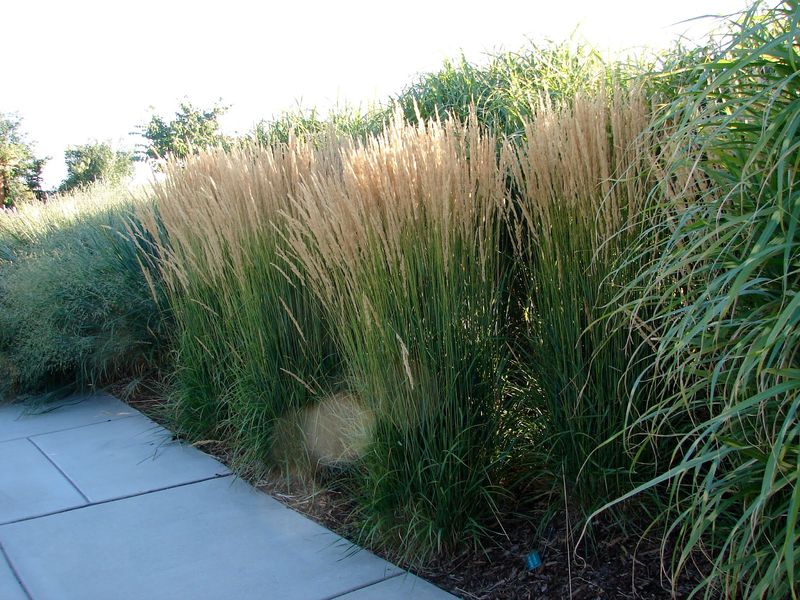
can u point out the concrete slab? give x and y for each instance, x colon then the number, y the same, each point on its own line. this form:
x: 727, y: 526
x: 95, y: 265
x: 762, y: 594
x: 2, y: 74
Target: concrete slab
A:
x: 402, y: 587
x: 30, y: 485
x: 124, y: 457
x: 20, y: 421
x: 209, y: 540
x: 10, y: 588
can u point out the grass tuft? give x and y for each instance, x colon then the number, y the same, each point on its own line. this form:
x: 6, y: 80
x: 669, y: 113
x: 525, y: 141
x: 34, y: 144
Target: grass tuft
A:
x: 75, y: 309
x: 249, y: 343
x: 402, y: 250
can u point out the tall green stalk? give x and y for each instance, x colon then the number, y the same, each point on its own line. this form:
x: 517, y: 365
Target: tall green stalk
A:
x: 580, y: 177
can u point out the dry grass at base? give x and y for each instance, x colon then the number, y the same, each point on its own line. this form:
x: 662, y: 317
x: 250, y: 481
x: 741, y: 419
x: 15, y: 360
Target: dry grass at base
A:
x: 334, y: 433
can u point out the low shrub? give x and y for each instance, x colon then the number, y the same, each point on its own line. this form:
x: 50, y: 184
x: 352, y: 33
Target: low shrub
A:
x: 75, y: 307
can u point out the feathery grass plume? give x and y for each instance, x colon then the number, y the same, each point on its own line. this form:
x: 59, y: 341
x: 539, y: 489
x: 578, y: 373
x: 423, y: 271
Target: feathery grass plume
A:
x: 721, y: 295
x: 401, y: 248
x: 75, y: 308
x: 580, y: 178
x: 249, y: 344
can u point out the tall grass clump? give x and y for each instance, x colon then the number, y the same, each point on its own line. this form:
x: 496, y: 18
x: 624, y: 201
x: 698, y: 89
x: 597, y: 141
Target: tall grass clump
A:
x: 249, y: 344
x: 75, y: 307
x: 720, y: 296
x: 505, y: 89
x: 580, y: 177
x: 342, y: 122
x: 402, y: 250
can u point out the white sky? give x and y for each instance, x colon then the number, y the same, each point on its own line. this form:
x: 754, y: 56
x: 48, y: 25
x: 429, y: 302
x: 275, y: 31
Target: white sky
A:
x: 84, y: 70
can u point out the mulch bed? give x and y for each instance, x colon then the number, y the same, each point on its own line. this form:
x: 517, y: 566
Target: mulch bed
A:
x: 618, y: 566
x: 145, y: 394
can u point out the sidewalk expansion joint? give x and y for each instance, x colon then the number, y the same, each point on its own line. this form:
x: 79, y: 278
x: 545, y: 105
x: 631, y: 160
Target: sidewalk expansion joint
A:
x: 365, y: 585
x: 4, y: 556
x: 60, y: 470
x: 27, y: 437
x: 110, y: 500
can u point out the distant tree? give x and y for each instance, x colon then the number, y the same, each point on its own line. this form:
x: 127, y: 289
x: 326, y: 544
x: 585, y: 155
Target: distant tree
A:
x: 20, y: 170
x: 34, y: 179
x: 95, y: 161
x: 192, y: 130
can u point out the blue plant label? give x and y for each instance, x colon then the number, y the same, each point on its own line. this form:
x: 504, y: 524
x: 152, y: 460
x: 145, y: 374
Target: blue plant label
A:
x: 533, y: 561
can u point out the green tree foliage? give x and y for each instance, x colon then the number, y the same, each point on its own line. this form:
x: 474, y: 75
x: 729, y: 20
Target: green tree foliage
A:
x: 20, y: 170
x: 192, y: 130
x: 95, y: 161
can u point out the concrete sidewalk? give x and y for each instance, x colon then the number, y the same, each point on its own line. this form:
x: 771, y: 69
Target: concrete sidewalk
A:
x: 96, y: 503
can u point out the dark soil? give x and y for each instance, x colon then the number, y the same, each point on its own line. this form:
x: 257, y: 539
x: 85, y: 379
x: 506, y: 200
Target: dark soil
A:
x: 619, y: 567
